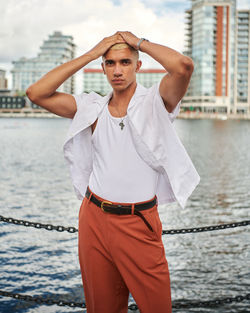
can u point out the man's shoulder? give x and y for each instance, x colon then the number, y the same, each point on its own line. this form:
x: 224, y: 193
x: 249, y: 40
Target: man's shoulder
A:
x: 85, y: 99
x: 148, y: 92
x: 145, y: 90
x: 91, y: 96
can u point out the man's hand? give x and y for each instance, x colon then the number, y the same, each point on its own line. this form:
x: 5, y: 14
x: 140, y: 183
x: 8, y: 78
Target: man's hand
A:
x: 104, y: 45
x: 179, y: 69
x: 130, y: 39
x: 43, y: 92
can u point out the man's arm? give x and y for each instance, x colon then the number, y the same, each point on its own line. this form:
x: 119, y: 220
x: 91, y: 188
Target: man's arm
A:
x: 43, y: 92
x: 174, y: 84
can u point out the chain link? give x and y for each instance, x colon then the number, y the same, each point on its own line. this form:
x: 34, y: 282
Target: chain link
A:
x: 205, y: 228
x: 37, y: 225
x: 40, y: 300
x: 164, y: 232
x: 181, y: 304
x: 177, y: 304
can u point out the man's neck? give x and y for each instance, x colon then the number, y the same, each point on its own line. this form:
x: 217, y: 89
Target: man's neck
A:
x: 121, y: 98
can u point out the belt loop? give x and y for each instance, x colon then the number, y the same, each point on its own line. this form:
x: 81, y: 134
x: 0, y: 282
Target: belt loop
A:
x: 133, y: 209
x: 90, y: 194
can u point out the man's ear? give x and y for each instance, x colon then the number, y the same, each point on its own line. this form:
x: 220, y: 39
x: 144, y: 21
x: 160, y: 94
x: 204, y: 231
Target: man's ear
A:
x: 138, y: 65
x: 103, y: 69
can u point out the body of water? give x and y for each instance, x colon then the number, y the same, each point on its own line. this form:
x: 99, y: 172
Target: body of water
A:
x: 36, y: 186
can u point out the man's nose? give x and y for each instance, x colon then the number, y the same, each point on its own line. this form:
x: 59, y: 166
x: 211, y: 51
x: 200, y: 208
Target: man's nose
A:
x: 117, y: 70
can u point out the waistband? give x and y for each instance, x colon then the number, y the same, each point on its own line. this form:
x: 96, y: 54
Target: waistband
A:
x: 122, y: 208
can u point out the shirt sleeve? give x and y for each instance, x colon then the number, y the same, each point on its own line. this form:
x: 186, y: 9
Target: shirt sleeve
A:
x: 176, y: 110
x: 80, y: 99
x: 87, y: 104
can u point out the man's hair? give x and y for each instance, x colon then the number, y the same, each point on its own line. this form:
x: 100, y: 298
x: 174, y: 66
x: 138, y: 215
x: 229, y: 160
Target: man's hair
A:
x: 119, y: 46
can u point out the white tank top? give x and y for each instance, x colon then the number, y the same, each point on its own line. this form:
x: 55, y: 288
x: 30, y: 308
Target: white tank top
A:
x: 119, y: 173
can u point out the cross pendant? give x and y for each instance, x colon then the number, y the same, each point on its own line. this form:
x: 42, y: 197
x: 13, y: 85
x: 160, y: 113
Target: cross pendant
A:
x: 121, y: 124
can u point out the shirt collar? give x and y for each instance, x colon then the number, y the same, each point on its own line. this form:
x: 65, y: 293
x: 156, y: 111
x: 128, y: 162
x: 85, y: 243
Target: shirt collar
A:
x: 140, y: 91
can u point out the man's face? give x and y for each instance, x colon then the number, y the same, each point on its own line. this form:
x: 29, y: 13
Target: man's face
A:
x: 121, y: 66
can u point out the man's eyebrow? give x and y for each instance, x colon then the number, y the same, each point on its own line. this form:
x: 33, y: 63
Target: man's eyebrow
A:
x: 111, y: 61
x: 127, y: 59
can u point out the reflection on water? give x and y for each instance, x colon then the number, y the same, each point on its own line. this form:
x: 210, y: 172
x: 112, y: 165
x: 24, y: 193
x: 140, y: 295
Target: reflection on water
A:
x: 35, y: 185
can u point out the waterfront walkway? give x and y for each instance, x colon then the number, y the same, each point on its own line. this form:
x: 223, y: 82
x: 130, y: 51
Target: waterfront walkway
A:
x: 216, y: 116
x: 40, y: 113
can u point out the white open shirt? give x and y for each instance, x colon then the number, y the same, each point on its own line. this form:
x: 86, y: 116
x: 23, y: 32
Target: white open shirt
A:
x: 155, y: 139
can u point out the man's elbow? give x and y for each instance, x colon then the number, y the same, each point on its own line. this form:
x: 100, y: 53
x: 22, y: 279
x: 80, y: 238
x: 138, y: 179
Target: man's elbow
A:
x: 30, y: 94
x: 186, y: 66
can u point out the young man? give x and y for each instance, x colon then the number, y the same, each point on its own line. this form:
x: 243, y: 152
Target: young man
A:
x: 125, y: 158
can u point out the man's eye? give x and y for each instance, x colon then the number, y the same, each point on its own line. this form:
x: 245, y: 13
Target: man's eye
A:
x: 109, y: 62
x: 125, y: 62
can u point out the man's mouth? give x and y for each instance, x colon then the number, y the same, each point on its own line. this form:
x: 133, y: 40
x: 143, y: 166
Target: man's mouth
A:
x: 117, y: 80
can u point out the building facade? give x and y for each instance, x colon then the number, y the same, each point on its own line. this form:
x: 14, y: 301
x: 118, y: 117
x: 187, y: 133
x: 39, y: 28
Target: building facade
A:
x: 56, y: 50
x: 8, y: 102
x: 242, y: 64
x: 95, y: 80
x: 217, y: 39
x: 3, y: 80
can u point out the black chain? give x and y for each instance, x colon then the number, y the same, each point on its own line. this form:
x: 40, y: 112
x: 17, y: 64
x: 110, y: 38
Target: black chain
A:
x: 39, y: 300
x: 37, y: 225
x: 164, y: 232
x: 205, y: 228
x: 181, y: 304
x: 178, y: 304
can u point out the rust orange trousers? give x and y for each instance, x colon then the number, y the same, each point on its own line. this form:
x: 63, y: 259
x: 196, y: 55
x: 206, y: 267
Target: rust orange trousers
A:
x: 118, y: 254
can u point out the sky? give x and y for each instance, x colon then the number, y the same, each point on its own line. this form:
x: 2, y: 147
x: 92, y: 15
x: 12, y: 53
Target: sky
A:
x: 25, y: 24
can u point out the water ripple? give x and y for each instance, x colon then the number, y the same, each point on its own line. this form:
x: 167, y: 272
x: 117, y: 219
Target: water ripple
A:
x: 35, y: 185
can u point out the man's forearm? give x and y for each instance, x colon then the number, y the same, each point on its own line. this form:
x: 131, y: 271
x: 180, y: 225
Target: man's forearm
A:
x: 172, y: 87
x: 49, y: 83
x: 170, y: 59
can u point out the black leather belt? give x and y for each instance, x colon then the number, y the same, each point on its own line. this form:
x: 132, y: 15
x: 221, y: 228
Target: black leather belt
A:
x: 119, y: 209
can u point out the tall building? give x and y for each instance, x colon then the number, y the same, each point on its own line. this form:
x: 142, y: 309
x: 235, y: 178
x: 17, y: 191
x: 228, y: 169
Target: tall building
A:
x: 242, y: 64
x: 217, y: 39
x: 3, y: 80
x: 95, y: 80
x: 56, y: 50
x: 148, y: 77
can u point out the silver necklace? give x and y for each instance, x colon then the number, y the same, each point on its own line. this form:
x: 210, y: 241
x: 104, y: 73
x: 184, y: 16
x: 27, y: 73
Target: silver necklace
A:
x: 121, y: 124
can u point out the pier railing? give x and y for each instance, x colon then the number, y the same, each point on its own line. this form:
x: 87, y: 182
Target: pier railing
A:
x: 72, y: 229
x: 176, y: 304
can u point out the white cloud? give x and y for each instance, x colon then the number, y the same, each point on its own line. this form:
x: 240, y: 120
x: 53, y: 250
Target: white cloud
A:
x: 24, y: 24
